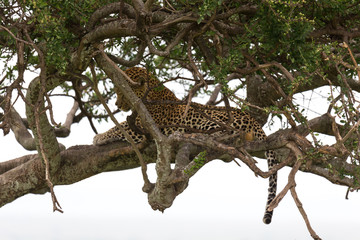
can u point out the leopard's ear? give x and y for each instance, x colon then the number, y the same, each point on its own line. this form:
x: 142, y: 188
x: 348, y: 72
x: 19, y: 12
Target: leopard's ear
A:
x: 142, y: 79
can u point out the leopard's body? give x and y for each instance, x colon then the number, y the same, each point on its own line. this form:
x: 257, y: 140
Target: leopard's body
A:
x: 168, y: 114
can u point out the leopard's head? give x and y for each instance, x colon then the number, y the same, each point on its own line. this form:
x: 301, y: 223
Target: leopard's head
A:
x: 143, y: 83
x: 140, y: 78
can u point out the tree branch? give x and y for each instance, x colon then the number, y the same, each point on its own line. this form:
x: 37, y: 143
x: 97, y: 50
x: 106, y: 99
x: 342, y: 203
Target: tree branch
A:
x: 119, y: 28
x: 108, y: 9
x: 19, y: 129
x: 291, y: 186
x: 8, y: 165
x: 65, y: 128
x: 29, y: 177
x: 28, y: 171
x: 303, y: 214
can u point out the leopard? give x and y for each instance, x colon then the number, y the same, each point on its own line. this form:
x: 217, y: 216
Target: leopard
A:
x: 171, y: 117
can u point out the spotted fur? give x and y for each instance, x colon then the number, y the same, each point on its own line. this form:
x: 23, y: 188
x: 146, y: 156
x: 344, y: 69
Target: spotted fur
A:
x: 167, y: 113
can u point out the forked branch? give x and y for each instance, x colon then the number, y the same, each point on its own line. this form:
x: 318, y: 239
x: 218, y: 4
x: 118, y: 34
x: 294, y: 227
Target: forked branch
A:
x: 291, y: 186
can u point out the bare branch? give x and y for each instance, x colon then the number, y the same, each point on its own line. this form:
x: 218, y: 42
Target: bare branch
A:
x: 148, y: 4
x: 65, y: 128
x: 117, y: 68
x: 70, y: 115
x: 303, y: 214
x: 225, y: 40
x: 120, y: 80
x: 16, y: 38
x: 291, y: 186
x: 47, y: 145
x: 214, y: 95
x: 161, y: 196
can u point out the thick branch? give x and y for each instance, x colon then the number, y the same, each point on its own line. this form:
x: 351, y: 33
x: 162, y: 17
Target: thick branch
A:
x: 8, y: 165
x: 161, y: 196
x: 120, y: 28
x: 33, y: 107
x: 26, y: 174
x: 105, y: 11
x: 30, y: 176
x: 19, y: 129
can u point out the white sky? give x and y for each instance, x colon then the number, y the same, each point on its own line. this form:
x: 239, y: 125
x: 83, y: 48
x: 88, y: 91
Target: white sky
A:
x: 223, y: 201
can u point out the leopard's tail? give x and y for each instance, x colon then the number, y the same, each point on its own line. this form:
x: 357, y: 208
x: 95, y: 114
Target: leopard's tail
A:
x: 270, y: 155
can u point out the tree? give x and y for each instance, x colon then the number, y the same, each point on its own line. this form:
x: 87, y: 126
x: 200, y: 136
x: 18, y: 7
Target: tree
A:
x: 272, y: 50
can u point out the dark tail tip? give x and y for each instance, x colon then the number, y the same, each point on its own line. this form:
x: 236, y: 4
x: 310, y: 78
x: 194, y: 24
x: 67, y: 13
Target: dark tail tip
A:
x: 267, y: 217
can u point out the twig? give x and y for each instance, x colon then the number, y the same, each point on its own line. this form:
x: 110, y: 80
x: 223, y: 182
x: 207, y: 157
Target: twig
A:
x: 16, y: 38
x: 209, y: 142
x: 179, y: 36
x: 49, y: 107
x: 287, y: 98
x: 37, y: 107
x: 354, y: 128
x: 347, y: 193
x: 236, y: 162
x: 345, y: 45
x: 172, y: 8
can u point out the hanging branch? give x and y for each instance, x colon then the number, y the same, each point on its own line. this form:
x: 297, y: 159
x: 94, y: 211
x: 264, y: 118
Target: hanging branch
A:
x: 291, y: 186
x: 303, y: 214
x: 41, y: 127
x: 56, y: 204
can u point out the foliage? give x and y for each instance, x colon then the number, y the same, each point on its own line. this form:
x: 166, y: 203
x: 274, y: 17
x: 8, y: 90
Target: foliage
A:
x: 199, y: 161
